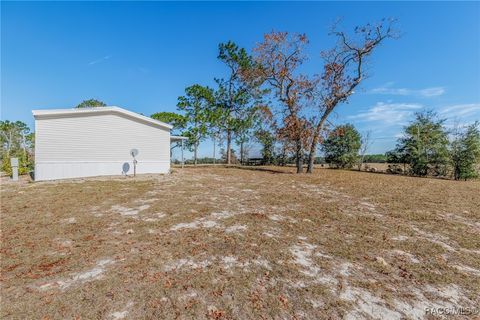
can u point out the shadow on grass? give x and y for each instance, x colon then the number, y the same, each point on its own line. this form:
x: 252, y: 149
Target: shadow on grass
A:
x: 235, y: 166
x: 262, y: 169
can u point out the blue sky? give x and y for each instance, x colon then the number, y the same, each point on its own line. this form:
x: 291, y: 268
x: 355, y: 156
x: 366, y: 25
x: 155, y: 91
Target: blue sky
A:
x: 141, y: 55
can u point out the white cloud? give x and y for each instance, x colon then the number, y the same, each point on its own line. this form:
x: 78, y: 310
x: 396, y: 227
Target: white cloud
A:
x: 432, y: 92
x: 461, y: 110
x: 389, y: 113
x: 91, y: 63
x: 390, y: 90
x: 460, y: 114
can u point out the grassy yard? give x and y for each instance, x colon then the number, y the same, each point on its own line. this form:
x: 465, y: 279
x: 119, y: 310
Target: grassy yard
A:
x: 226, y: 243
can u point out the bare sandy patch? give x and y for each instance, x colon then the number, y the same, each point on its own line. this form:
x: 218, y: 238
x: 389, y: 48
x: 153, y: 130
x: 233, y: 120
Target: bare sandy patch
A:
x: 399, y: 238
x: 81, y: 277
x: 64, y: 243
x: 449, y: 296
x: 280, y: 218
x: 117, y: 315
x: 187, y: 264
x: 124, y: 211
x: 408, y: 255
x: 461, y: 219
x: 276, y: 217
x: 435, y: 238
x: 201, y: 223
x: 468, y: 270
x: 155, y: 217
x: 303, y: 256
x: 70, y: 220
x: 262, y: 262
x: 205, y: 222
x: 236, y: 228
x: 272, y: 232
x: 222, y: 215
x: 366, y: 304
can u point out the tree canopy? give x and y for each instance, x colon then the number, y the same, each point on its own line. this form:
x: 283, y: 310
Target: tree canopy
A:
x: 91, y: 103
x: 465, y: 152
x: 424, y: 145
x: 341, y: 146
x: 197, y: 105
x: 235, y: 97
x: 178, y: 121
x: 17, y: 141
x: 278, y: 59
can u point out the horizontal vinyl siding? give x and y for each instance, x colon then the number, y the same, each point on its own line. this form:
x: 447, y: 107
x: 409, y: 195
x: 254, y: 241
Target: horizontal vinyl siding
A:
x: 98, y: 145
x: 66, y: 170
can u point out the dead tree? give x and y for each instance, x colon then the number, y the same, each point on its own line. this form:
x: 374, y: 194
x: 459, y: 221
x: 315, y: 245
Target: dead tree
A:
x: 366, y: 141
x: 343, y: 71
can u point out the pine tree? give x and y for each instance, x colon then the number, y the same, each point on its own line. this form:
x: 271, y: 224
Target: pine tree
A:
x: 465, y: 152
x: 424, y: 146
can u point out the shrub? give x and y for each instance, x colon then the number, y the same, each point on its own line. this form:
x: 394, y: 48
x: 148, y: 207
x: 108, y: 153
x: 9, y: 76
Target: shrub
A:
x: 341, y: 146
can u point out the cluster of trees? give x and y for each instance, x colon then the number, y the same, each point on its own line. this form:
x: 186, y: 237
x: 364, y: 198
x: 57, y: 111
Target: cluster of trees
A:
x: 229, y: 112
x: 375, y: 158
x: 16, y: 142
x: 427, y: 149
x: 266, y: 97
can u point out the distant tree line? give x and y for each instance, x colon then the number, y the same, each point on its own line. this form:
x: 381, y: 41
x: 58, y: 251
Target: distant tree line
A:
x: 427, y: 148
x: 16, y: 142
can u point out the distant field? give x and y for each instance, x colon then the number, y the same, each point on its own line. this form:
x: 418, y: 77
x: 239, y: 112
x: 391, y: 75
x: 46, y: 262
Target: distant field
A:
x: 229, y: 243
x: 378, y: 166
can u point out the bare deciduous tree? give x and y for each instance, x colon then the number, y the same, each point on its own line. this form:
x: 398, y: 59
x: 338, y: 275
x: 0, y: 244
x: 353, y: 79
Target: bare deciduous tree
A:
x: 344, y: 70
x: 365, y: 144
x: 277, y: 60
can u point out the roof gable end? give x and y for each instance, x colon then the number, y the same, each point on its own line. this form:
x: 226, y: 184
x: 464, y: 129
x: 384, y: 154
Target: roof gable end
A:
x: 65, y: 113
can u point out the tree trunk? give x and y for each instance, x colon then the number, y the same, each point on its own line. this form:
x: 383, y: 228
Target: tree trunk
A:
x: 213, y: 149
x: 456, y: 173
x: 229, y: 142
x: 195, y: 153
x: 316, y: 136
x: 241, y: 153
x: 360, y: 164
x: 299, y: 156
x: 311, y: 155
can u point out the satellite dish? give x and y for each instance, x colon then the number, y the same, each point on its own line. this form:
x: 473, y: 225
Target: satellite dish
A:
x: 126, y: 167
x: 134, y: 152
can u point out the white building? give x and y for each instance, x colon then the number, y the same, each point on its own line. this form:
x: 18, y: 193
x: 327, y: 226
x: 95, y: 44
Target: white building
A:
x: 72, y: 143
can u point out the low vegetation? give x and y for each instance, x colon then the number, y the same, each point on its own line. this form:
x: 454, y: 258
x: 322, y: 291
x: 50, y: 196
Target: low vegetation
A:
x: 427, y: 150
x: 225, y: 243
x: 341, y: 147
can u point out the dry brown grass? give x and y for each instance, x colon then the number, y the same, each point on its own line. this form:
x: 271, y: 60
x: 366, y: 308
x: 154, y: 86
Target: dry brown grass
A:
x: 224, y: 243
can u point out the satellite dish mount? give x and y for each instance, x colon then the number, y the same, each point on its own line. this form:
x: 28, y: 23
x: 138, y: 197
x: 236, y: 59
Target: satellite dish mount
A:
x: 134, y: 153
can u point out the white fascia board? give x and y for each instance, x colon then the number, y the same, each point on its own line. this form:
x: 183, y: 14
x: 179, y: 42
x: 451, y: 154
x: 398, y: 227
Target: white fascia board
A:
x: 59, y: 113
